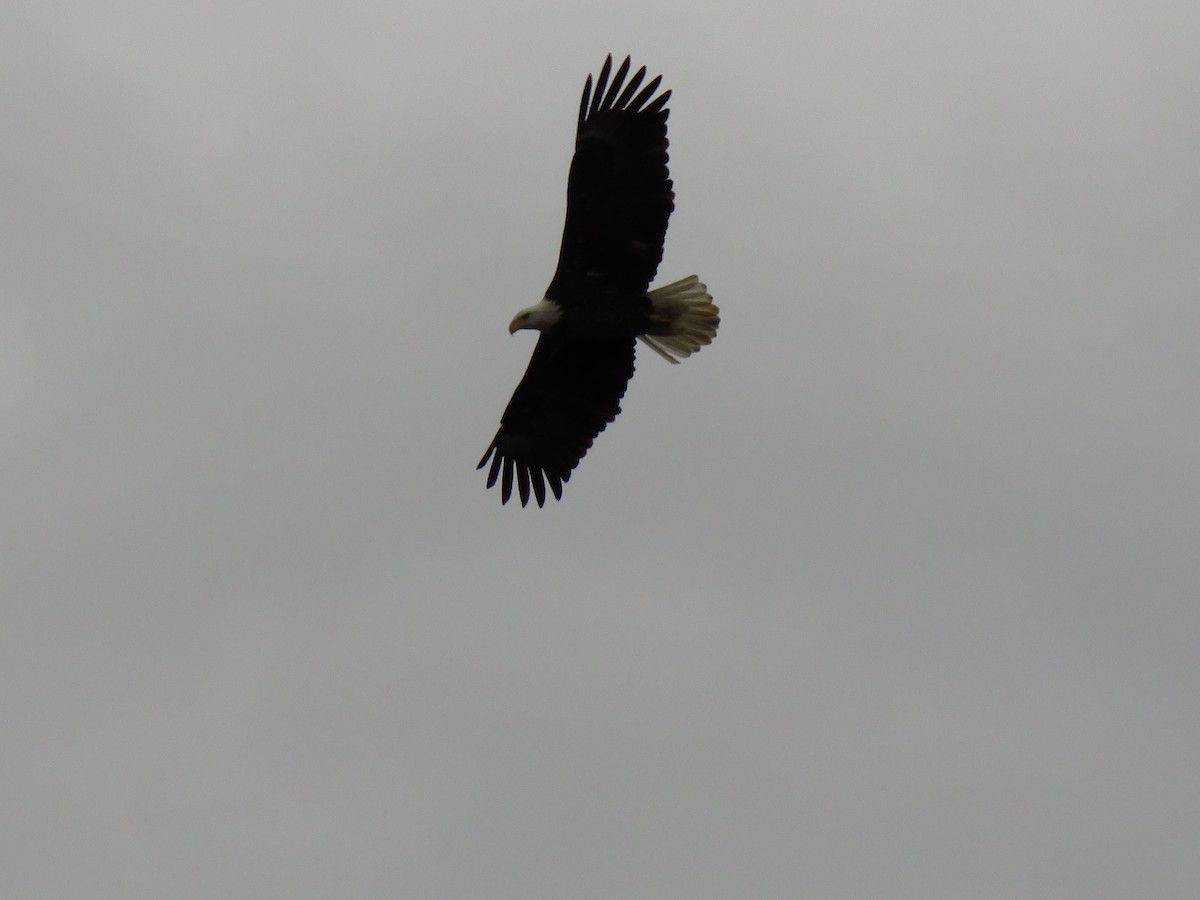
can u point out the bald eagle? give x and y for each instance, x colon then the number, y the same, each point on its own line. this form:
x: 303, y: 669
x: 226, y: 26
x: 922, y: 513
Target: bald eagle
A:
x: 598, y: 305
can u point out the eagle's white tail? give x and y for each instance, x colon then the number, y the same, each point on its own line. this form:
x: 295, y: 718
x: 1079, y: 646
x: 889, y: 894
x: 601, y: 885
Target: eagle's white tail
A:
x: 683, y: 320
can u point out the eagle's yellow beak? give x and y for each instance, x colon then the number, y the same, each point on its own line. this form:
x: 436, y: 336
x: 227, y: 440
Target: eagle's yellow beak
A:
x: 539, y: 317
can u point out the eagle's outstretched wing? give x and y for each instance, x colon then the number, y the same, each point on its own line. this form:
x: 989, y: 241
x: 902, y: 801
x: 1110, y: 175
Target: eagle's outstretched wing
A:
x: 570, y: 392
x: 619, y: 195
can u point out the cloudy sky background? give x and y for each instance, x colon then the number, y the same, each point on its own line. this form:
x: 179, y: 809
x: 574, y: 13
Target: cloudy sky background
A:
x: 891, y: 592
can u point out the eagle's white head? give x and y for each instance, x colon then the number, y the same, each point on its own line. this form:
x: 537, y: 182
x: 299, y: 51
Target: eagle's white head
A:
x: 540, y: 316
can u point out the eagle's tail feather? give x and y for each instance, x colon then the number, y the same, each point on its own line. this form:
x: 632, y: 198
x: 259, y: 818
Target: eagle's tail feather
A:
x: 683, y: 319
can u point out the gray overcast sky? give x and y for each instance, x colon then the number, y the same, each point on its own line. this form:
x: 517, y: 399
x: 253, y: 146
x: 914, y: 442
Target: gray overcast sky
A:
x: 891, y: 592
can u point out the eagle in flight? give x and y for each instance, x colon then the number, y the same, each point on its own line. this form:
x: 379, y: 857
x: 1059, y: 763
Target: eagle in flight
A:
x: 598, y: 304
